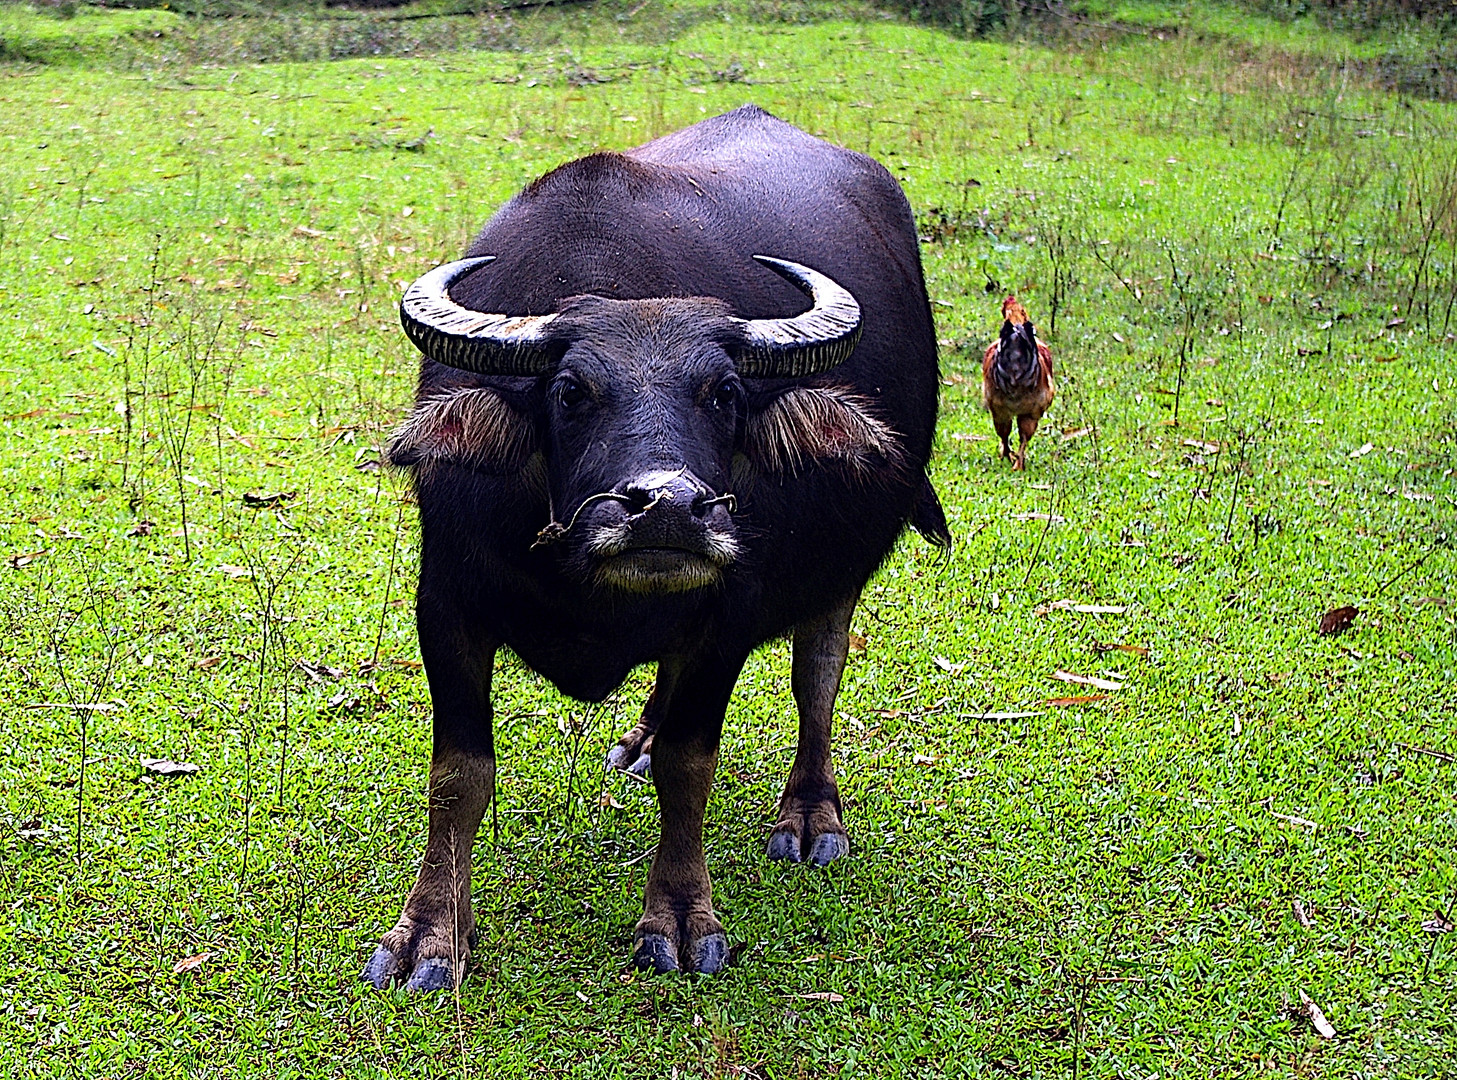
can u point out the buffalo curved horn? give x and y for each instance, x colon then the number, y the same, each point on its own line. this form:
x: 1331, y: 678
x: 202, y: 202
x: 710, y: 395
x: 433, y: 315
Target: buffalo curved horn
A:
x: 807, y: 344
x: 472, y: 340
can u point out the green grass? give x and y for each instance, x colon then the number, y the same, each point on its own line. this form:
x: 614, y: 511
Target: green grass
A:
x: 1234, y: 22
x: 1103, y: 888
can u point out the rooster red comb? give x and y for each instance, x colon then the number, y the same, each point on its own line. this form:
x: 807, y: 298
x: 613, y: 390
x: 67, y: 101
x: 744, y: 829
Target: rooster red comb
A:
x: 1013, y: 311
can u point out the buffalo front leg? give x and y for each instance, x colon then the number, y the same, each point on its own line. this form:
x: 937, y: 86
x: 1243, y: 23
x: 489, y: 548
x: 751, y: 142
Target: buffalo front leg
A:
x: 430, y: 945
x: 809, y: 826
x: 678, y: 930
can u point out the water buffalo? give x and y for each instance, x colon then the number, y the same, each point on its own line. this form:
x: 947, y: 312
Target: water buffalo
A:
x: 652, y: 452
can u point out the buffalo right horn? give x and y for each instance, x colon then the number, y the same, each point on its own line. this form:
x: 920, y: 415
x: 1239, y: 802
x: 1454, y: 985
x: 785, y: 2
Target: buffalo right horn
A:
x: 472, y: 340
x: 807, y: 344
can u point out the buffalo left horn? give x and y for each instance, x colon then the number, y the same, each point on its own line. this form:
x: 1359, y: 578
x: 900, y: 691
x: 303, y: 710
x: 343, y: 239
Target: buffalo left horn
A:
x: 472, y: 340
x: 807, y: 344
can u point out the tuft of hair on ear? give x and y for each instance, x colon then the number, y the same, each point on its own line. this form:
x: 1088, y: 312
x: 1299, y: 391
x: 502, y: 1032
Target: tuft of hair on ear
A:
x: 472, y: 427
x: 813, y: 423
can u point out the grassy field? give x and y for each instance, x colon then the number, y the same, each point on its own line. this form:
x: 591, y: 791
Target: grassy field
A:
x: 1251, y: 263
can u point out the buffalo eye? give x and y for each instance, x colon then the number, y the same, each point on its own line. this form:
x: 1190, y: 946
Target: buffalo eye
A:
x: 727, y: 395
x: 569, y: 392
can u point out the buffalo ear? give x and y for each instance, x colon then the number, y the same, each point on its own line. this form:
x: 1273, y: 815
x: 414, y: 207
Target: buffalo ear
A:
x: 812, y: 423
x: 474, y: 428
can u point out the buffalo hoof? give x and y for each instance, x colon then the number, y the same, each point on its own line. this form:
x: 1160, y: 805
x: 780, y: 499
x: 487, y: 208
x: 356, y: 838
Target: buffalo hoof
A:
x: 633, y: 753
x: 811, y: 834
x: 381, y: 969
x: 396, y: 966
x: 654, y: 952
x: 693, y: 944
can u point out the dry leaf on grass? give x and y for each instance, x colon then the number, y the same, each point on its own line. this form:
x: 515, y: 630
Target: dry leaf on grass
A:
x: 1362, y: 451
x: 191, y: 963
x: 1087, y: 680
x: 319, y: 672
x: 1081, y: 609
x: 1304, y: 823
x: 164, y: 767
x: 948, y: 667
x: 822, y: 995
x: 1437, y: 924
x: 33, y: 829
x: 1136, y: 650
x: 1000, y: 715
x: 1317, y: 1018
x: 277, y: 498
x: 1337, y: 620
x: 1083, y: 700
x: 858, y: 643
x: 1301, y: 916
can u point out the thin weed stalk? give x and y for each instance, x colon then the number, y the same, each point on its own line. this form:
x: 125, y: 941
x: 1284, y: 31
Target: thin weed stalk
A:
x: 84, y: 696
x: 384, y: 607
x: 197, y: 345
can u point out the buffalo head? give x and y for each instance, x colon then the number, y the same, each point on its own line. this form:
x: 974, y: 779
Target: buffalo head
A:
x: 639, y: 411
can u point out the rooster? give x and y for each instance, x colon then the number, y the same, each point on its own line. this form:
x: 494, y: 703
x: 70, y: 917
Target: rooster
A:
x: 1016, y: 380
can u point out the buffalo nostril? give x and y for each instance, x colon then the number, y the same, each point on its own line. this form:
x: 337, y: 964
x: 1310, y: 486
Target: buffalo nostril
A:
x: 702, y: 504
x: 704, y: 501
x: 640, y: 498
x: 637, y: 499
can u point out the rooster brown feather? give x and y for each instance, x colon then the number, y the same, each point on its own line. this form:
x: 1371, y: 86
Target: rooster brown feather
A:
x: 1016, y: 380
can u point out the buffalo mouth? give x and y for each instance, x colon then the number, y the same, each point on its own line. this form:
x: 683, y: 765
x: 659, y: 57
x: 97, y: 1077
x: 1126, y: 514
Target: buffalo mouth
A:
x: 659, y: 565
x: 658, y: 570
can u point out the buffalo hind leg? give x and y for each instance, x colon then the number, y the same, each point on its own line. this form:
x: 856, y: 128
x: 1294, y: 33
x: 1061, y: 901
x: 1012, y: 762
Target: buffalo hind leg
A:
x: 678, y: 930
x: 429, y: 946
x: 809, y: 826
x: 633, y: 752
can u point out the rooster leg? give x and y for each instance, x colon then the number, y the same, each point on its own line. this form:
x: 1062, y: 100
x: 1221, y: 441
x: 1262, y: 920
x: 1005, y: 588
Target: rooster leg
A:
x: 1026, y: 428
x: 1003, y: 424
